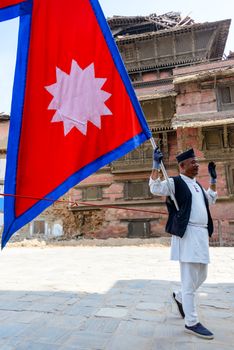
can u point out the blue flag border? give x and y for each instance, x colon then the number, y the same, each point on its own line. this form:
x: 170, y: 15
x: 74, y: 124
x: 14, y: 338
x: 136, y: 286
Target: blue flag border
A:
x: 11, y: 223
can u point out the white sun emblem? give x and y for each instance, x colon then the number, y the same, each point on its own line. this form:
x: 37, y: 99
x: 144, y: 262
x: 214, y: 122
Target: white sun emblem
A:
x: 78, y: 98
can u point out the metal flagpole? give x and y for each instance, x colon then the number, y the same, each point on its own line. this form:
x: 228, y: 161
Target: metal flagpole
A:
x: 165, y: 176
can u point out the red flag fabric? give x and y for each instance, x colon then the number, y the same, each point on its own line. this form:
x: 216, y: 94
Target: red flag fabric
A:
x: 76, y: 110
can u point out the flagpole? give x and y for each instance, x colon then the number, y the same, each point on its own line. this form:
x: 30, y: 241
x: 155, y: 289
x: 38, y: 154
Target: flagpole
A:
x: 165, y: 176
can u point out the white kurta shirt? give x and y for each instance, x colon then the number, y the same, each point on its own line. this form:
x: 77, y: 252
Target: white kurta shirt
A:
x: 194, y: 245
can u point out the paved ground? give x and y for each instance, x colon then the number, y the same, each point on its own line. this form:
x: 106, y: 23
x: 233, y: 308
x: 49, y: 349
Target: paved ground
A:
x: 112, y: 298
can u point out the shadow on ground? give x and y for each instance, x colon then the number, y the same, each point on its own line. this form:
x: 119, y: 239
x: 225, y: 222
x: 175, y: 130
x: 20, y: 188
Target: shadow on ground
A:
x: 132, y: 315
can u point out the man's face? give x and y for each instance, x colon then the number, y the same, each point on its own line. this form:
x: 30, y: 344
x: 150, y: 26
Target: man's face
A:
x: 190, y: 167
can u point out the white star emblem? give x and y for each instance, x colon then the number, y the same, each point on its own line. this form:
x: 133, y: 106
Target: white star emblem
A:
x: 78, y: 98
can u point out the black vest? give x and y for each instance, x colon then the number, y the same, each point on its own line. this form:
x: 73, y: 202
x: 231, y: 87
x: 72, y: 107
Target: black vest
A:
x: 178, y: 220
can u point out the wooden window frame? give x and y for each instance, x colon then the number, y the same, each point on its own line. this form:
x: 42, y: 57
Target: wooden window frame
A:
x: 35, y: 222
x: 146, y: 228
x: 225, y: 106
x: 85, y: 196
x: 219, y: 131
x: 230, y: 177
x: 146, y: 191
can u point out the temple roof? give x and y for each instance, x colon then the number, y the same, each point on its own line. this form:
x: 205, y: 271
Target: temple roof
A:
x: 149, y: 43
x: 220, y: 28
x: 128, y: 25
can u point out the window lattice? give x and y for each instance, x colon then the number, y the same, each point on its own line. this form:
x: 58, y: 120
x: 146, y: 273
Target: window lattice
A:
x: 138, y: 229
x: 137, y: 190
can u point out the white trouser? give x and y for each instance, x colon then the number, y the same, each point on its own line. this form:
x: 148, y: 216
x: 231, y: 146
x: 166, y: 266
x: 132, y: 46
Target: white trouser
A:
x: 192, y: 276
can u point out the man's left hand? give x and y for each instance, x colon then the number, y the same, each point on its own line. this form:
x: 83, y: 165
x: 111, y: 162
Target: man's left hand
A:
x: 212, y: 172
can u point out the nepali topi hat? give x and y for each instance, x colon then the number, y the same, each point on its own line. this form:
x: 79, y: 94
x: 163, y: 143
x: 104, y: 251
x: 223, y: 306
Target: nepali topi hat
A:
x: 185, y: 155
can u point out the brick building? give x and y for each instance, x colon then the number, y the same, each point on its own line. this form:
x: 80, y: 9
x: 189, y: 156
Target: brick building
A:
x: 186, y: 90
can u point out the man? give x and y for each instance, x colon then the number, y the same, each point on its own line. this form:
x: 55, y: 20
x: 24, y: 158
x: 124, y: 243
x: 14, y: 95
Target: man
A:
x: 190, y: 227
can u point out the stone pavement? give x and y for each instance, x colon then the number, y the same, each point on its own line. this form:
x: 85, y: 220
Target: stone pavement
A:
x: 112, y: 298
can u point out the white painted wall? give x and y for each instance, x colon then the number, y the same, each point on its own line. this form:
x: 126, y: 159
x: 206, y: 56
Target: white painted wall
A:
x: 2, y: 168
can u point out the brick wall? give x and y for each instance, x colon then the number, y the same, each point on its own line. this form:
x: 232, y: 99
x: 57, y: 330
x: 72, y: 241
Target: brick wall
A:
x: 192, y: 99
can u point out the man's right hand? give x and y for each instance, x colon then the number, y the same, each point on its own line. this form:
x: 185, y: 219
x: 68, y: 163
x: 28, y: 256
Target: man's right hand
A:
x: 157, y: 158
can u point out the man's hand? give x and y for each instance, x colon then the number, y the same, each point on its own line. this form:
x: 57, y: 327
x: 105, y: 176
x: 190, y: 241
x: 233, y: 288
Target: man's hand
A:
x: 212, y: 172
x: 157, y: 158
x: 213, y: 175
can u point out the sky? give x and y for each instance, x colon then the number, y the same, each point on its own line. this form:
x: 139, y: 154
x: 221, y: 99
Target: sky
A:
x: 200, y: 10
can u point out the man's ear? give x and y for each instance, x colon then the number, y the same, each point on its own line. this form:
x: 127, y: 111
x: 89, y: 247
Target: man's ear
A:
x: 181, y: 164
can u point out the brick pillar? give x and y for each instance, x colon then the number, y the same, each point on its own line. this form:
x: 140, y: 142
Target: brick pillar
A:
x: 189, y: 138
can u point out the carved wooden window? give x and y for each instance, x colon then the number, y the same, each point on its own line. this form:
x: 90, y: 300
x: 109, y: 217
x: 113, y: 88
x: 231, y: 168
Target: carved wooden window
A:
x: 152, y: 110
x: 159, y: 110
x: 231, y: 137
x: 139, y: 228
x: 226, y: 97
x: 218, y: 138
x: 136, y: 159
x: 136, y: 154
x: 136, y: 77
x: 129, y: 52
x: 213, y: 139
x: 148, y: 154
x: 137, y: 190
x: 92, y: 193
x: 230, y: 177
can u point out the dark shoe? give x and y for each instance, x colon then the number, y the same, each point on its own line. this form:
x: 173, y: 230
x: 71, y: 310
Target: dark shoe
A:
x: 200, y: 331
x: 179, y: 305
